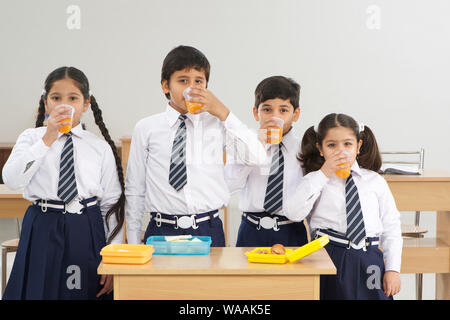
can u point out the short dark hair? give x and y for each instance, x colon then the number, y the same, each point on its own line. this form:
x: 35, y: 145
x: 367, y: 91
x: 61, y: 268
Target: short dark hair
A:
x: 184, y: 57
x: 278, y: 87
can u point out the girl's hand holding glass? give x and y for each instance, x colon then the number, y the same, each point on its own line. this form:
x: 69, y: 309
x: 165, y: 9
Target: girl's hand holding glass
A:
x: 335, y: 162
x: 54, y: 124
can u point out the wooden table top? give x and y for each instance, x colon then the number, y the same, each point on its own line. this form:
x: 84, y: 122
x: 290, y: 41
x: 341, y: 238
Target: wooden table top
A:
x: 221, y: 261
x: 427, y: 175
x: 6, y: 193
x: 7, y: 145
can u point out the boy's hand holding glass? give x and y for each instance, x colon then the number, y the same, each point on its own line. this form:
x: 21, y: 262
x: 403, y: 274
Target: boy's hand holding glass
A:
x: 271, y: 131
x: 338, y: 160
x: 211, y: 104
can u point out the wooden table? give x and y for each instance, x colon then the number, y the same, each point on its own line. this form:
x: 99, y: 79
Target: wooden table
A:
x: 224, y: 274
x: 427, y: 192
x: 12, y: 203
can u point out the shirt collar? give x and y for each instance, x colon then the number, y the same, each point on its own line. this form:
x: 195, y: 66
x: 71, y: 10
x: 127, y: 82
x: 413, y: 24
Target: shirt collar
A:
x: 287, y: 142
x: 172, y: 116
x: 356, y: 169
x: 76, y: 131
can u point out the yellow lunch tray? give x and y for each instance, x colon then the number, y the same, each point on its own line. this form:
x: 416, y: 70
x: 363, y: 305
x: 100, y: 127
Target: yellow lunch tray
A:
x: 291, y: 255
x: 267, y: 257
x: 127, y: 253
x: 308, y: 248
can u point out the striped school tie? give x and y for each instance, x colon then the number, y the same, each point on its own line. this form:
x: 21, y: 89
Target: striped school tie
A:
x: 355, y: 222
x: 273, y: 200
x: 177, y: 171
x: 67, y: 185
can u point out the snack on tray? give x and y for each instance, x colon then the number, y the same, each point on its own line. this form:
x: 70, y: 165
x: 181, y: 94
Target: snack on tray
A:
x: 277, y: 249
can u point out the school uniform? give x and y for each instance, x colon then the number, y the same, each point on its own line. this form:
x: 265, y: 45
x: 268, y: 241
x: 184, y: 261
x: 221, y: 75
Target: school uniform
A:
x: 175, y: 173
x: 359, y: 215
x: 264, y: 222
x: 60, y: 241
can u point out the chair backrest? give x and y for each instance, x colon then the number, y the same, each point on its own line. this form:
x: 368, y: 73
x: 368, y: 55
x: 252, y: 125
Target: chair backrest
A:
x: 404, y: 157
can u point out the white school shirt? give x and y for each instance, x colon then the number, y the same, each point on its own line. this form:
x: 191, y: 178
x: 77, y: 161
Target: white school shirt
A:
x: 34, y: 167
x: 147, y: 187
x: 322, y: 201
x: 252, y: 180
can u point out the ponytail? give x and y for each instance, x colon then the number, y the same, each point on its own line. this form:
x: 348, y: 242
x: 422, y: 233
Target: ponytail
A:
x: 117, y: 209
x: 310, y: 155
x: 369, y: 155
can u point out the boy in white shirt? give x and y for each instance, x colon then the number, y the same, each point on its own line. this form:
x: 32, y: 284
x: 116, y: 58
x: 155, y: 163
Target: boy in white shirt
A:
x: 175, y: 167
x: 264, y: 192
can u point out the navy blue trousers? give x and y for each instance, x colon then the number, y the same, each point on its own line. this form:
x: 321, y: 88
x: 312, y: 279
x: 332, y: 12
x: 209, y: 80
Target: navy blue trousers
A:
x: 290, y: 235
x: 359, y: 274
x: 212, y: 228
x: 58, y: 256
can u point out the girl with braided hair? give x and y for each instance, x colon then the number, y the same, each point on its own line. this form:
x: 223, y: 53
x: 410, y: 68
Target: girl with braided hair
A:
x: 75, y: 182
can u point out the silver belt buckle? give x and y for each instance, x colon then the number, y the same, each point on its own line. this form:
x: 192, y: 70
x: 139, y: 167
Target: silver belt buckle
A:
x: 185, y: 222
x: 267, y: 223
x: 74, y: 207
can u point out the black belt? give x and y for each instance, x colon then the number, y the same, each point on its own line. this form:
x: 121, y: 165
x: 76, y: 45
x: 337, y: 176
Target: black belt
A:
x: 341, y: 240
x: 266, y: 220
x: 72, y: 207
x: 184, y: 221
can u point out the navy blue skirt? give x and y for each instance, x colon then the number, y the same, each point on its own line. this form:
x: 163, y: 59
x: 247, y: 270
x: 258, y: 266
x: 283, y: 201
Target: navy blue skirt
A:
x: 212, y: 228
x: 58, y: 255
x: 289, y: 235
x: 359, y: 274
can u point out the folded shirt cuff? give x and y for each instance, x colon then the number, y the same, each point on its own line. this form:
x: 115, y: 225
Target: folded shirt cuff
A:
x: 133, y: 237
x: 393, y: 266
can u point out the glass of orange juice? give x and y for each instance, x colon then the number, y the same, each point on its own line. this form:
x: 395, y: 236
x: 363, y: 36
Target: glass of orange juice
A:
x: 66, y: 128
x: 275, y: 133
x: 344, y: 173
x: 191, y: 106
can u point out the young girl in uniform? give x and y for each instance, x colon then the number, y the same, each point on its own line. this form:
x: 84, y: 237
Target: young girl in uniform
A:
x: 75, y: 182
x: 358, y: 212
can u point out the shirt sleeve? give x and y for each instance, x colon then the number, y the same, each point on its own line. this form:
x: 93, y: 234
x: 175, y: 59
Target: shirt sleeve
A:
x: 391, y: 237
x: 301, y: 203
x: 236, y: 172
x: 24, y: 161
x: 135, y: 185
x: 249, y: 149
x: 112, y: 191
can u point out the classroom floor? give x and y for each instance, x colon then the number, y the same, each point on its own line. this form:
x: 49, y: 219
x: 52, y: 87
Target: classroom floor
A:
x: 428, y: 220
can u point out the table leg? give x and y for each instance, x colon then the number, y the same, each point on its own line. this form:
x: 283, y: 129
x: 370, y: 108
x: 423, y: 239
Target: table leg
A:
x: 443, y: 234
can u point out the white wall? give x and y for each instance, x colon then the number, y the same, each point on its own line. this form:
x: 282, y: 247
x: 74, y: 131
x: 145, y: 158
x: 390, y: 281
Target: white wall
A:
x: 384, y: 62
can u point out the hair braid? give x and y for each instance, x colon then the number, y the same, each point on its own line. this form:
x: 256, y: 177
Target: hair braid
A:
x: 41, y: 113
x: 119, y: 207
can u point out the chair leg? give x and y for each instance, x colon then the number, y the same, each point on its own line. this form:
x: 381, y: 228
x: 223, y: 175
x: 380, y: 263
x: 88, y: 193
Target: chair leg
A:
x: 4, y: 252
x: 18, y: 227
x: 417, y: 219
x: 419, y: 284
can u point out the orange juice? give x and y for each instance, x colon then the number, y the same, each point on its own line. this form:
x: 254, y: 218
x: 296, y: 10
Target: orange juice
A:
x: 274, y: 135
x: 193, y: 106
x: 343, y: 173
x: 68, y: 127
